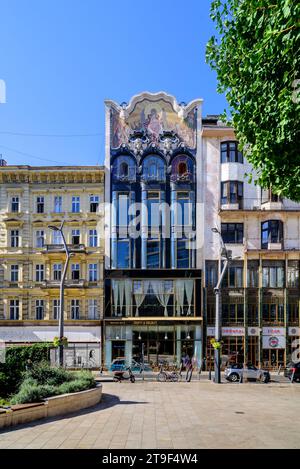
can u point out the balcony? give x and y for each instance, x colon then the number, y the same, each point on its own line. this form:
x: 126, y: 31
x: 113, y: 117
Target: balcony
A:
x: 275, y: 246
x: 158, y: 176
x: 70, y: 283
x: 186, y: 177
x: 270, y: 205
x: 60, y: 247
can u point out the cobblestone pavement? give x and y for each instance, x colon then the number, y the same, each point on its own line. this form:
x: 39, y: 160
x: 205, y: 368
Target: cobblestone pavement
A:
x: 173, y: 415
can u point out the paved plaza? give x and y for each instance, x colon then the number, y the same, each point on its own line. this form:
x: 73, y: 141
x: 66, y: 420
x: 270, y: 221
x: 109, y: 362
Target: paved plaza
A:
x: 173, y: 415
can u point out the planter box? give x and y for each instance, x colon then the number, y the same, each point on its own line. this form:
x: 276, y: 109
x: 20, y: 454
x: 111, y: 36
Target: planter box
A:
x: 53, y: 406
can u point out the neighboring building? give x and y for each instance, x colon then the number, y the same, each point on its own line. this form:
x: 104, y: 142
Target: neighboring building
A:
x: 32, y: 258
x: 153, y: 283
x: 261, y: 291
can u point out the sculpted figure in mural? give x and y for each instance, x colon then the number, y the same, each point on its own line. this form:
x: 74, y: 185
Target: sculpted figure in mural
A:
x: 154, y: 124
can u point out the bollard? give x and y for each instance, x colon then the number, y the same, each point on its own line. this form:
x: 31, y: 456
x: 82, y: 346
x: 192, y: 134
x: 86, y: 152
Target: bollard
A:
x: 209, y: 375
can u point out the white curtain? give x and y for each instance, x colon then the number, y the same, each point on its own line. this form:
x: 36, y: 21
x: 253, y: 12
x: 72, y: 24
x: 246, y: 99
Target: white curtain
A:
x: 159, y: 290
x: 115, y: 287
x: 189, y: 287
x: 179, y: 296
x: 128, y: 297
x: 121, y: 293
x: 140, y: 296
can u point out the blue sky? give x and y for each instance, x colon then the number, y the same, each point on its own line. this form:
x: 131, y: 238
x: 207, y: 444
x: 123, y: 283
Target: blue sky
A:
x: 61, y: 58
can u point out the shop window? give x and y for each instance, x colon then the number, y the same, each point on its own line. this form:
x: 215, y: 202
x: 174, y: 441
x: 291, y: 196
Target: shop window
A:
x: 273, y: 313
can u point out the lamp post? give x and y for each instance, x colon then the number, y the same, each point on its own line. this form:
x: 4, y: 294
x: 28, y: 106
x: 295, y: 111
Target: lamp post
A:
x: 61, y: 293
x: 218, y: 318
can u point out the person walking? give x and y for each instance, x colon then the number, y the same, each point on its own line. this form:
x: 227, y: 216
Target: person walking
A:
x: 189, y: 369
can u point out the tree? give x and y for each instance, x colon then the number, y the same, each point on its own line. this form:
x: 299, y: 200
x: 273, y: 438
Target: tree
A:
x: 257, y: 58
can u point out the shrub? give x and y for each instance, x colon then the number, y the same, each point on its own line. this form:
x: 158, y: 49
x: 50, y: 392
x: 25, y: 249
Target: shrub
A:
x: 74, y: 386
x: 30, y: 391
x: 87, y: 376
x: 43, y: 373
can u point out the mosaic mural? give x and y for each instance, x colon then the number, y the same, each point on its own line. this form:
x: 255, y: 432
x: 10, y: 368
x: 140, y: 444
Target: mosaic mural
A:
x: 153, y: 118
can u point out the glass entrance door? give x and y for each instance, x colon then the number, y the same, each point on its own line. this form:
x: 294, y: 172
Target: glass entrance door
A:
x: 118, y: 349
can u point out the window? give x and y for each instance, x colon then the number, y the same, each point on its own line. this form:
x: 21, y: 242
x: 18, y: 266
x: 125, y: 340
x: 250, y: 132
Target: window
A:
x: 153, y: 169
x: 15, y: 204
x: 232, y: 193
x: 153, y: 253
x: 232, y: 313
x: 154, y: 216
x: 93, y: 309
x: 271, y: 232
x: 211, y: 273
x: 75, y: 269
x: 75, y: 309
x: 57, y: 268
x: 57, y: 237
x: 234, y: 276
x: 182, y: 254
x: 123, y: 257
x: 93, y: 238
x: 122, y: 210
x: 293, y: 313
x: 57, y: 204
x: 293, y: 274
x: 14, y: 310
x: 94, y: 203
x: 272, y: 313
x: 232, y: 233
x: 14, y: 273
x: 56, y: 308
x: 76, y: 204
x: 123, y: 169
x: 40, y: 204
x: 93, y: 272
x: 14, y: 238
x: 273, y: 274
x: 184, y: 209
x: 252, y: 274
x: 76, y: 237
x: 40, y: 238
x: 39, y: 272
x: 39, y: 309
x: 182, y: 168
x: 230, y: 153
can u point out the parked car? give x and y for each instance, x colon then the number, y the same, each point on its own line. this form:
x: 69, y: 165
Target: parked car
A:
x: 234, y: 372
x: 120, y: 364
x: 293, y: 369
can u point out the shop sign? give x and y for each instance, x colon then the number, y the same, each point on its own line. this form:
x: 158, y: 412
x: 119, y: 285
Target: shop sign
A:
x: 253, y: 331
x: 233, y: 331
x: 227, y: 331
x: 280, y: 331
x: 294, y: 331
x: 273, y: 342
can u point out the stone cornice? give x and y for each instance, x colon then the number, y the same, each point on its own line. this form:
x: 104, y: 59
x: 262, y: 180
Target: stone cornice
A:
x: 51, y: 175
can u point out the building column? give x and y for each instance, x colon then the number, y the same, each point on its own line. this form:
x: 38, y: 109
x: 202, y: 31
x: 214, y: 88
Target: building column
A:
x: 144, y: 228
x: 114, y: 246
x: 173, y: 220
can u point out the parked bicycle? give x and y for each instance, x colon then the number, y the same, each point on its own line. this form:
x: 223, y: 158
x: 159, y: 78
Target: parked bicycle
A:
x: 164, y: 375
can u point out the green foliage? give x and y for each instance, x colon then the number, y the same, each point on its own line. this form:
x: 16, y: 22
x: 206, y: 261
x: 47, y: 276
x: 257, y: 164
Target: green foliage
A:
x: 43, y: 381
x: 257, y: 62
x: 17, y: 359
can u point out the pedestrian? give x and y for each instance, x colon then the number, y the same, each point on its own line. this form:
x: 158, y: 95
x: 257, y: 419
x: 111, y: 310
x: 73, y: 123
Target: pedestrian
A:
x: 189, y: 369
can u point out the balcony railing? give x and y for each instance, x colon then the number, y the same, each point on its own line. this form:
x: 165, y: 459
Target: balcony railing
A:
x: 60, y: 247
x: 127, y: 177
x: 186, y: 177
x: 70, y: 283
x: 159, y: 176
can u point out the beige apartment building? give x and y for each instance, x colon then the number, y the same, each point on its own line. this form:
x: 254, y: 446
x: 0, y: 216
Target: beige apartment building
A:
x: 32, y: 257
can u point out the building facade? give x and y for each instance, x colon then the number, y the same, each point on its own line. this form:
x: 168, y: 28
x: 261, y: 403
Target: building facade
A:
x: 32, y: 257
x: 152, y: 281
x: 261, y: 291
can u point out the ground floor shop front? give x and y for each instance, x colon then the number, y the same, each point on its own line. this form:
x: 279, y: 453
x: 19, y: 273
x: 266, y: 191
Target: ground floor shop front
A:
x: 160, y: 343
x: 267, y: 347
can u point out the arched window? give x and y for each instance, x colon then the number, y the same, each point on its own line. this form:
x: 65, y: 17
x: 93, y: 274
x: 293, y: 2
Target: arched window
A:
x: 124, y: 169
x: 153, y: 168
x: 182, y: 168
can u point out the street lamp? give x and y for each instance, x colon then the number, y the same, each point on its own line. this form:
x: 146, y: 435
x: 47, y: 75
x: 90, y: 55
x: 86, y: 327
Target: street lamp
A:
x: 218, y: 318
x: 61, y: 293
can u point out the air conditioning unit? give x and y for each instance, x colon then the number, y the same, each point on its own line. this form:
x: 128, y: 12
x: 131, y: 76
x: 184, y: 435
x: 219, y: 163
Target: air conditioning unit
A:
x: 275, y: 246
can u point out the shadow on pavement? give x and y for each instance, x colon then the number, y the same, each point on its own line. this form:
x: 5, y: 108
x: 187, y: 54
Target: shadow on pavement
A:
x: 108, y: 400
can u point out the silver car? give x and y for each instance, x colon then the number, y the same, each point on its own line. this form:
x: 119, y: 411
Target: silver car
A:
x: 235, y: 371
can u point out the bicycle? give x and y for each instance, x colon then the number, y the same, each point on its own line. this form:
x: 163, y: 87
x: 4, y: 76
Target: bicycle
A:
x: 164, y: 376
